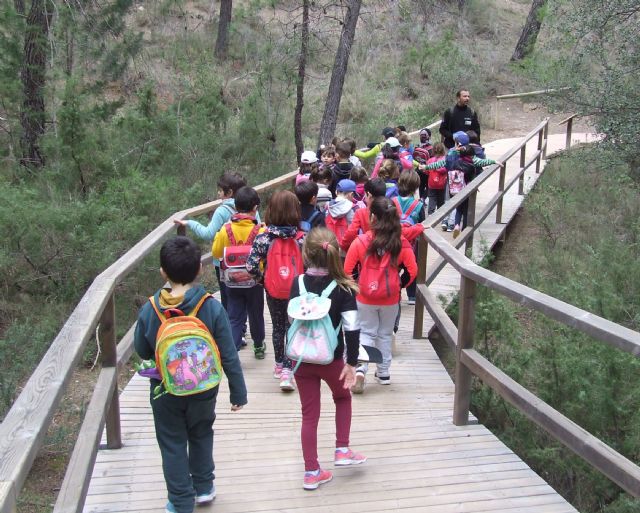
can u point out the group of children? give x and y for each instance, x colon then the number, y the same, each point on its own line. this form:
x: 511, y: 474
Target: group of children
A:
x: 340, y: 231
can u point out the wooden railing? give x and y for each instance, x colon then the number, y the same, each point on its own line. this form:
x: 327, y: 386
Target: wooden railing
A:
x: 25, y: 425
x: 460, y: 338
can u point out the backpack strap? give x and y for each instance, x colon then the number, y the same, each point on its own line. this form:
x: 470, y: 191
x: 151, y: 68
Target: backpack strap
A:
x: 301, y: 287
x: 229, y: 230
x: 252, y: 235
x: 411, y: 208
x: 397, y: 204
x: 199, y: 304
x: 329, y: 289
x: 163, y: 316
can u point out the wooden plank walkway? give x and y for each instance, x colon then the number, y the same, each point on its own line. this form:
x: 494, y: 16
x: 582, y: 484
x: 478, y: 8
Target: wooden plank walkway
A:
x: 417, y: 459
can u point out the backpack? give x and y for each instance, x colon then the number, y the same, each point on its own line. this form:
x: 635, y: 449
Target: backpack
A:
x: 338, y: 225
x: 436, y: 179
x: 187, y: 356
x: 405, y: 217
x: 392, y: 190
x: 311, y: 337
x: 456, y: 181
x: 378, y: 279
x: 283, y: 264
x: 233, y: 266
x: 422, y: 154
x: 307, y: 224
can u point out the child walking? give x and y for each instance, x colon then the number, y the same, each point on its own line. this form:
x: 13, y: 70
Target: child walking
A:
x: 278, y: 250
x: 243, y: 300
x: 321, y: 256
x: 228, y: 184
x: 184, y: 424
x: 381, y: 253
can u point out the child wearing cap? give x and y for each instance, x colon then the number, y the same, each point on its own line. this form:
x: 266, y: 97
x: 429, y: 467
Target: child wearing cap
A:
x: 392, y: 150
x: 308, y: 162
x: 340, y: 211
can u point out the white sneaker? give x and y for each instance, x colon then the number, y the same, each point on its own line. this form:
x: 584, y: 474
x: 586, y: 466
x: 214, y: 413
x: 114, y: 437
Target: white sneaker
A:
x: 358, y: 388
x: 286, y: 381
x: 206, y: 498
x: 383, y: 380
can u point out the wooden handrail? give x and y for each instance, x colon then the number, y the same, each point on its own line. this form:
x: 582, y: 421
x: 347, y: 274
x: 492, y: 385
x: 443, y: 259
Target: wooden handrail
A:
x: 24, y: 427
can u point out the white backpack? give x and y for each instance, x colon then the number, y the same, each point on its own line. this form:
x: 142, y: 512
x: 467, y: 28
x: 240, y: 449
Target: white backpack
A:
x: 311, y: 337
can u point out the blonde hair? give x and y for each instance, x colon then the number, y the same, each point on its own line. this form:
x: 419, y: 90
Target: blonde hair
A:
x: 388, y: 170
x: 320, y: 249
x: 404, y: 138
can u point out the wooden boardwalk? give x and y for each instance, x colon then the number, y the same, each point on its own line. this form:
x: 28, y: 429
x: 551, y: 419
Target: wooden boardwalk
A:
x: 417, y: 459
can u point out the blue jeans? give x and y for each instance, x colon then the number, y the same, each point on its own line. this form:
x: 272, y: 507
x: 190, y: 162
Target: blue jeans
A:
x: 242, y: 303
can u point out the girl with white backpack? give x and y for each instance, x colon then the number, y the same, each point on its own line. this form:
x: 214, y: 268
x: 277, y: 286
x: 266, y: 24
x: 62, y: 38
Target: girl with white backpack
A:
x: 325, y: 273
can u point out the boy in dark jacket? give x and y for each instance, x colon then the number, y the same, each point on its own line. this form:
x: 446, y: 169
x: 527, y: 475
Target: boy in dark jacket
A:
x: 187, y: 421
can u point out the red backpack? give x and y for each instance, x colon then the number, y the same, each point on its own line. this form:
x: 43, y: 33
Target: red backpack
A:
x: 338, y: 225
x: 233, y: 265
x: 422, y: 154
x: 283, y: 265
x: 378, y: 278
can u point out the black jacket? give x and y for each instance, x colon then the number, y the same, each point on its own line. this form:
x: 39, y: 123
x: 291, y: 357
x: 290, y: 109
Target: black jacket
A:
x: 457, y: 119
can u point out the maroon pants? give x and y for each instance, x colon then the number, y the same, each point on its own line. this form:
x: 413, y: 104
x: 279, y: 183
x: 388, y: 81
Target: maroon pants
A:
x: 308, y: 377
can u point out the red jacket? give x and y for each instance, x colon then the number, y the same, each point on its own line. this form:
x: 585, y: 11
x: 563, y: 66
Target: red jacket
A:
x: 360, y: 224
x: 357, y: 254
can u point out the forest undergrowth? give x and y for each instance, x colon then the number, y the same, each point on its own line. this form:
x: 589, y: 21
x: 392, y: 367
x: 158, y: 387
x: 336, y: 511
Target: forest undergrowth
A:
x: 576, y: 239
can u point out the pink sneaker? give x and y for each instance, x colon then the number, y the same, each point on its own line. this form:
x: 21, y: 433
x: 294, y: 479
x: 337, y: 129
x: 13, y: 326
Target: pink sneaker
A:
x: 277, y: 370
x: 286, y: 381
x: 312, y: 481
x: 342, y: 459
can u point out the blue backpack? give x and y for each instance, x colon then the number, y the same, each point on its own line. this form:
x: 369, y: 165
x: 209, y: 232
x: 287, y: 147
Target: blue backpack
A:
x: 307, y: 224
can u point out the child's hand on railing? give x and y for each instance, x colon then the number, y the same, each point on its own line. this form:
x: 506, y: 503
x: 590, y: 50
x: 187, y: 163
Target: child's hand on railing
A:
x: 180, y: 222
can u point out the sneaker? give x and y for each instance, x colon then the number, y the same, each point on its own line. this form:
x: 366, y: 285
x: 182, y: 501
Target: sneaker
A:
x: 277, y: 370
x: 243, y: 342
x: 342, y: 459
x: 411, y: 301
x: 383, y: 380
x: 258, y: 351
x: 313, y: 480
x: 170, y: 508
x: 450, y: 228
x: 358, y: 388
x: 286, y: 381
x: 456, y: 231
x: 444, y: 227
x: 206, y: 498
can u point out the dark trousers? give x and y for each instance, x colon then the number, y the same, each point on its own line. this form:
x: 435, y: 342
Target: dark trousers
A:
x: 280, y: 325
x: 423, y: 190
x: 309, y: 378
x: 184, y: 430
x: 436, y: 199
x: 461, y: 214
x: 242, y: 303
x: 223, y: 287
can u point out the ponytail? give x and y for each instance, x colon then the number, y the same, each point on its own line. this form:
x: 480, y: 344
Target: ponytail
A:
x: 321, y: 249
x: 387, y: 232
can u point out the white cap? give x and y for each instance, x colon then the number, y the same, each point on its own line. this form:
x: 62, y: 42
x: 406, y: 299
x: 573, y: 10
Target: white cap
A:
x: 308, y: 157
x: 393, y: 142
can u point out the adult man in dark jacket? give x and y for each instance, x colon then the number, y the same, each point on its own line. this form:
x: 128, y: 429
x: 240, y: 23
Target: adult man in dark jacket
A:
x: 460, y: 117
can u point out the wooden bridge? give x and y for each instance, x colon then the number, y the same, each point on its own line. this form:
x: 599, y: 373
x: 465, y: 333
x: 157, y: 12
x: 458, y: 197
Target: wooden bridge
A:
x: 424, y: 453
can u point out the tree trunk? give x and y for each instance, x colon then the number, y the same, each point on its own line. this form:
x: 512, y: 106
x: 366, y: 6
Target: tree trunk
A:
x: 332, y: 105
x: 32, y: 76
x: 19, y: 6
x: 530, y: 31
x: 302, y: 63
x: 222, y: 41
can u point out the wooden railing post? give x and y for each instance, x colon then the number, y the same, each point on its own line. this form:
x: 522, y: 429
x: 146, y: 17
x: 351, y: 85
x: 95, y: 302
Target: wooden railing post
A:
x: 466, y: 313
x: 523, y: 162
x: 418, y: 319
x: 108, y: 347
x: 471, y: 220
x: 501, y: 178
x: 569, y: 130
x: 539, y: 158
x: 546, y: 140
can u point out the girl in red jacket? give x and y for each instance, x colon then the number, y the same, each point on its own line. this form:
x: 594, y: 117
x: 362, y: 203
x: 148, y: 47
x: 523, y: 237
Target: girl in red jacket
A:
x: 383, y: 254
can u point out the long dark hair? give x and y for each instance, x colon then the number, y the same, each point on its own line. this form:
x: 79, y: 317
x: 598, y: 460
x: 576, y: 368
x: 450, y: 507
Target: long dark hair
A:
x: 385, y: 224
